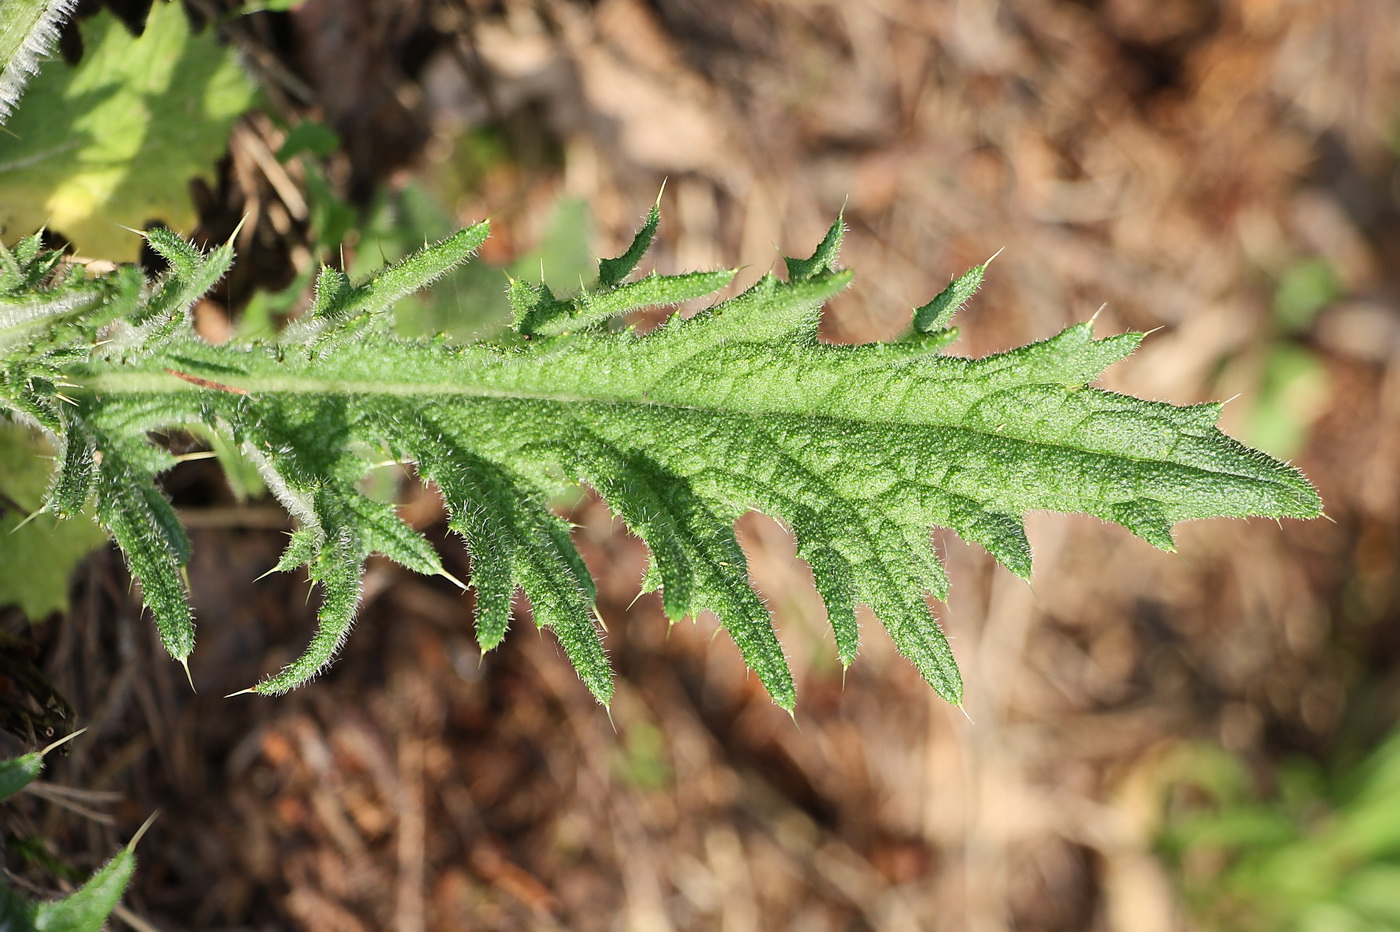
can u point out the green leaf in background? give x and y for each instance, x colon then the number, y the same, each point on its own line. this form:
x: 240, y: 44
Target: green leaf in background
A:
x: 308, y: 136
x: 18, y: 772
x: 36, y: 559
x: 1293, y: 392
x: 120, y: 135
x: 1319, y: 854
x: 1303, y: 291
x: 470, y: 301
x: 86, y: 909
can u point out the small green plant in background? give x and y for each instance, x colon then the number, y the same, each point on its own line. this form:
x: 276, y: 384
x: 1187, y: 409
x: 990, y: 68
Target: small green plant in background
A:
x: 85, y: 909
x: 470, y: 301
x: 1290, y: 386
x: 1321, y: 853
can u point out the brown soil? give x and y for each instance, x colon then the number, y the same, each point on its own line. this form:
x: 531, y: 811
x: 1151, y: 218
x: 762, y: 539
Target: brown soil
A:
x: 1167, y: 162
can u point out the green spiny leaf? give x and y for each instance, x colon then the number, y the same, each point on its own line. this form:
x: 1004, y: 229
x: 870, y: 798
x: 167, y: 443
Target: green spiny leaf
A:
x: 695, y: 554
x: 26, y: 266
x: 860, y: 450
x: 141, y: 520
x: 167, y: 310
x: 302, y: 547
x: 936, y: 315
x: 30, y: 313
x: 533, y: 305
x: 87, y: 908
x: 333, y: 291
x: 342, y: 310
x: 72, y: 481
x: 388, y: 535
x: 823, y: 260
x: 612, y: 272
x: 414, y: 273
x: 18, y: 772
x: 653, y: 291
x: 337, y: 569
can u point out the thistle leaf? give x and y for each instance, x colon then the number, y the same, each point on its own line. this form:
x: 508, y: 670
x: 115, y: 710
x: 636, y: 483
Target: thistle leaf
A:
x: 338, y: 569
x: 139, y: 517
x: 589, y: 308
x: 85, y: 909
x: 860, y: 450
x: 18, y: 772
x: 341, y: 310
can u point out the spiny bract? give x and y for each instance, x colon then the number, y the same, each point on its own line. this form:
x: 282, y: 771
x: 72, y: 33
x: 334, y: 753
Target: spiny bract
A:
x: 860, y: 450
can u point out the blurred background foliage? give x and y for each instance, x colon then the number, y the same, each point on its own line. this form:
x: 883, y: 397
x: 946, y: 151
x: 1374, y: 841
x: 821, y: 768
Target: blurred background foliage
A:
x: 1200, y: 741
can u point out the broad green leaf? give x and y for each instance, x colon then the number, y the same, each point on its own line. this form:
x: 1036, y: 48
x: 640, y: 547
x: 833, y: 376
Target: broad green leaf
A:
x: 36, y: 559
x: 860, y: 450
x: 116, y: 139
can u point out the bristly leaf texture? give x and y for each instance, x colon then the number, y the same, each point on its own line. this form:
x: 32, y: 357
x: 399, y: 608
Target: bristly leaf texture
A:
x: 860, y: 450
x: 28, y: 30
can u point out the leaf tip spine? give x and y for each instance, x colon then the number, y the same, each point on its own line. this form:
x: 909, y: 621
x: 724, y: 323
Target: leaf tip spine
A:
x: 140, y: 832
x: 238, y: 228
x: 60, y: 742
x: 442, y: 571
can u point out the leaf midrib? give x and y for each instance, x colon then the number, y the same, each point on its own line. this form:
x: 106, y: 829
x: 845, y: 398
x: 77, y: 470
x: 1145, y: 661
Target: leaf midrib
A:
x: 161, y: 382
